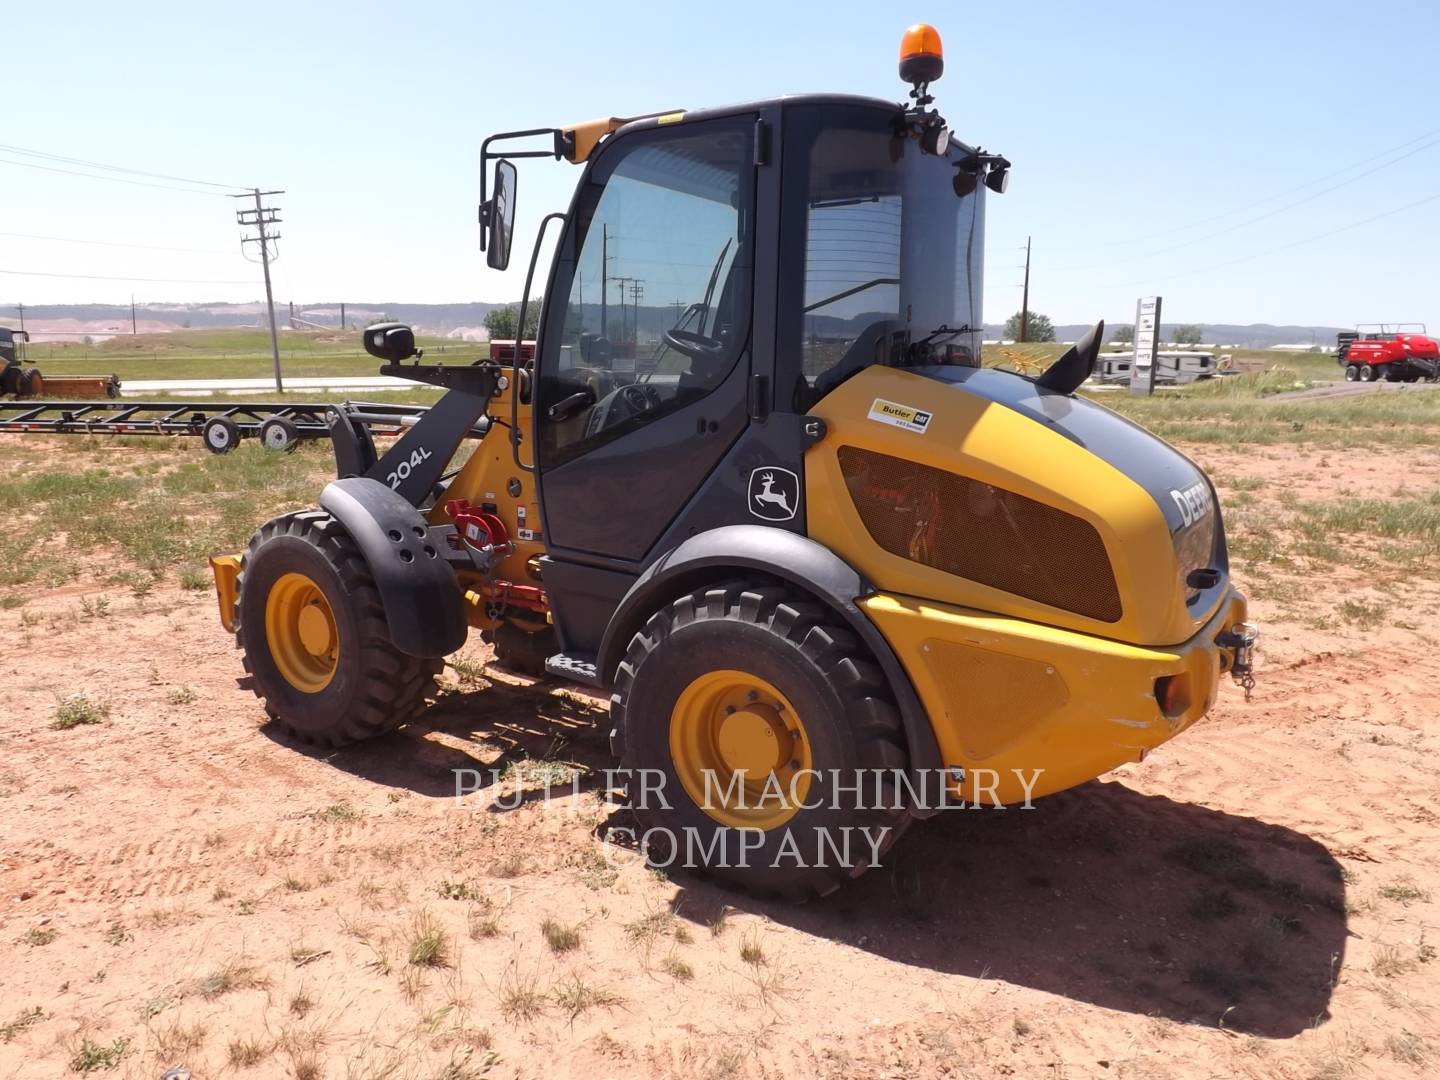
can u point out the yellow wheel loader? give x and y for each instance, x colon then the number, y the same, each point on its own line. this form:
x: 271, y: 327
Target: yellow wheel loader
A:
x: 754, y: 482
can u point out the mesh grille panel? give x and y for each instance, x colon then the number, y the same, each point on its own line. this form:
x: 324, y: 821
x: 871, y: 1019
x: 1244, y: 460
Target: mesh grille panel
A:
x: 981, y: 532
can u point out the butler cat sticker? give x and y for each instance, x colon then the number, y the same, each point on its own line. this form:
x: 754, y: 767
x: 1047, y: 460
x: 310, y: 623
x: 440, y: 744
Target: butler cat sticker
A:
x: 901, y: 416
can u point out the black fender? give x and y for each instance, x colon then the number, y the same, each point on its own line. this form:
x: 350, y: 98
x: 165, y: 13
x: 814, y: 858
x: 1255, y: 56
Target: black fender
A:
x: 788, y: 557
x: 417, y: 586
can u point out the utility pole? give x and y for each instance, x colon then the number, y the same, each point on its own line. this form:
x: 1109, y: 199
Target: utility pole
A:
x: 257, y: 219
x: 637, y: 293
x: 22, y: 317
x: 342, y: 314
x: 1025, y: 296
x: 621, y: 283
x: 132, y: 315
x: 604, y: 271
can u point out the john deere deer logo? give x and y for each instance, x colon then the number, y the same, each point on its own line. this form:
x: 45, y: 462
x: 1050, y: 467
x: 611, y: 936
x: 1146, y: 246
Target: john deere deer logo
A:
x: 774, y: 493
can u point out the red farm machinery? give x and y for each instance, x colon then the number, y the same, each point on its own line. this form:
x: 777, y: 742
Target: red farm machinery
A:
x: 1395, y: 352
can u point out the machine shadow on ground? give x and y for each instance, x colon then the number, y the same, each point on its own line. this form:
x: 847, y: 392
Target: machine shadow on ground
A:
x: 490, y: 727
x: 1100, y: 894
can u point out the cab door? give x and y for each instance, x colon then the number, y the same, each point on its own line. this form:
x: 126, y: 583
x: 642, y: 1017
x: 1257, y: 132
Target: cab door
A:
x: 644, y: 365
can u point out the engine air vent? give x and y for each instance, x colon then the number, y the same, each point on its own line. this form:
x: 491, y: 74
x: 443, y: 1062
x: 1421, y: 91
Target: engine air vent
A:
x: 981, y: 532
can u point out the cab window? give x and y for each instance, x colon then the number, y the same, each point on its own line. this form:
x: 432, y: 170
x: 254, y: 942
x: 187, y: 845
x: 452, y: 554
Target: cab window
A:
x: 658, y: 308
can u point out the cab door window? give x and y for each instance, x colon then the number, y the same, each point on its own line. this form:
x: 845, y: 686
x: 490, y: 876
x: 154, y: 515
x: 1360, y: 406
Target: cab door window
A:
x: 658, y: 310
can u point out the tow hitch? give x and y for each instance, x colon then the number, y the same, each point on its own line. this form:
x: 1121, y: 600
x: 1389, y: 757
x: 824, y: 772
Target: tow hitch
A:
x: 1240, y: 639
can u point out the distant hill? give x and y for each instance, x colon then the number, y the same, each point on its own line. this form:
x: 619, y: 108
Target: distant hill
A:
x: 463, y: 320
x: 1253, y: 336
x: 97, y: 318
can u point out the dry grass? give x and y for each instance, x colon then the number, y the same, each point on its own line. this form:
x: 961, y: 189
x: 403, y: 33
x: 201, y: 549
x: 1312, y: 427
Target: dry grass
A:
x: 177, y: 1040
x: 751, y: 950
x: 430, y: 944
x: 646, y: 930
x: 245, y: 1053
x: 40, y: 935
x: 574, y: 995
x: 1404, y: 891
x: 677, y: 968
x: 236, y: 974
x: 90, y: 1056
x: 559, y: 937
x: 481, y: 923
x: 519, y: 996
x: 25, y: 1019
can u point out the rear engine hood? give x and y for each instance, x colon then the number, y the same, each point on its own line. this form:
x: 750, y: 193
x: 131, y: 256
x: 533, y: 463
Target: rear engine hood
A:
x: 1179, y: 487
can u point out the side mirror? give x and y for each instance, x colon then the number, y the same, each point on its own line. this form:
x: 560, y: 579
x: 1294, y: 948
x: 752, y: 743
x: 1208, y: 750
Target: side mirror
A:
x: 391, y: 341
x: 499, y: 216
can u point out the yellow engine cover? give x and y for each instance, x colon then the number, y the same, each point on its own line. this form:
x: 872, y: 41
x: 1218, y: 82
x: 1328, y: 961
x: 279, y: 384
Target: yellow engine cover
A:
x: 997, y: 451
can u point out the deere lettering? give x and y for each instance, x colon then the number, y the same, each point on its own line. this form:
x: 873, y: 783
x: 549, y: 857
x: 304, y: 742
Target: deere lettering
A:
x: 1193, y: 502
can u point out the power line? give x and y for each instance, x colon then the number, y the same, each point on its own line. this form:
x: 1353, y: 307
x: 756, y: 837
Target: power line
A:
x: 111, y: 179
x: 1275, y: 250
x: 102, y: 277
x: 26, y: 152
x: 110, y: 243
x: 1278, y: 195
x: 1262, y: 217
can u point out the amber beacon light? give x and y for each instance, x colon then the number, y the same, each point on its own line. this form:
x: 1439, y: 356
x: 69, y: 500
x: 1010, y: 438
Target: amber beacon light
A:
x: 922, y: 60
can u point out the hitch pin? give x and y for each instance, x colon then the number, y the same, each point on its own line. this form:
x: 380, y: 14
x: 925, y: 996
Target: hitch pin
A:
x: 1241, y: 637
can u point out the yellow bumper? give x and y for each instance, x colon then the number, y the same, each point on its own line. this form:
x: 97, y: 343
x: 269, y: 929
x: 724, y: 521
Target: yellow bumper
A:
x: 226, y: 570
x: 1008, y: 697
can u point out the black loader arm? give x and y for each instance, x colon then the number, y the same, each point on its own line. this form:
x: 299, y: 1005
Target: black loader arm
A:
x: 418, y: 588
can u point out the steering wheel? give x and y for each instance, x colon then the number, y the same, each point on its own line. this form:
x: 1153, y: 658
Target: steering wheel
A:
x: 641, y: 399
x: 695, y: 346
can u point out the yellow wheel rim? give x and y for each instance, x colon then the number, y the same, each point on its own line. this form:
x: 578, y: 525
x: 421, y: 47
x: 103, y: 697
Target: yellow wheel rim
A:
x: 740, y: 750
x: 300, y: 630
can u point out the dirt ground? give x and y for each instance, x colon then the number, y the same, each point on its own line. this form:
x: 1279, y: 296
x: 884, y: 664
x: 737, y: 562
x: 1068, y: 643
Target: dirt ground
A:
x: 180, y: 884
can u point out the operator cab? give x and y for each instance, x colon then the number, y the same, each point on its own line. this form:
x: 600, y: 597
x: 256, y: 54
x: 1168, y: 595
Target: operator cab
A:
x: 717, y: 275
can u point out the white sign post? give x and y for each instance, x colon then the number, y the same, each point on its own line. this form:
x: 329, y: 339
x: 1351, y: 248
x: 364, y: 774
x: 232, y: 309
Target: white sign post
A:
x: 1147, y: 343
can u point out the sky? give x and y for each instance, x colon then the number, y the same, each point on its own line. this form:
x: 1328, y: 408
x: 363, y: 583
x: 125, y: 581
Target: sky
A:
x: 1251, y: 162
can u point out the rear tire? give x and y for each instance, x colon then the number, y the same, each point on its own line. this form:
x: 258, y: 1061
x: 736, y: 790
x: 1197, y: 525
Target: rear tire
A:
x: 826, y: 705
x: 361, y: 686
x: 279, y: 434
x: 1367, y: 372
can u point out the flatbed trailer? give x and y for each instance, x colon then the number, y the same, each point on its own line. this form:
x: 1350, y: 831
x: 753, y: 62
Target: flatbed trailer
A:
x: 221, y: 425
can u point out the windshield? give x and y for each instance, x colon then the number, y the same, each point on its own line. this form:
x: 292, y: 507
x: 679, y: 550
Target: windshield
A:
x: 892, y: 255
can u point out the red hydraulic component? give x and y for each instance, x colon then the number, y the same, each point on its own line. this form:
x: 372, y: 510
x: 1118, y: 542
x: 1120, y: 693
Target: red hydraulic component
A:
x: 507, y: 594
x: 479, y: 530
x: 485, y: 535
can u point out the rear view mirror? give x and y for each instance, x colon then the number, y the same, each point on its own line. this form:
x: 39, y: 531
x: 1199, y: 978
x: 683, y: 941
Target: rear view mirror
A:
x: 500, y: 217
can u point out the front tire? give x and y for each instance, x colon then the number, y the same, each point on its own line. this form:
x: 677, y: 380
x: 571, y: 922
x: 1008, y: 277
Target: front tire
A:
x: 315, y: 639
x: 759, y: 689
x: 1352, y: 372
x: 220, y: 434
